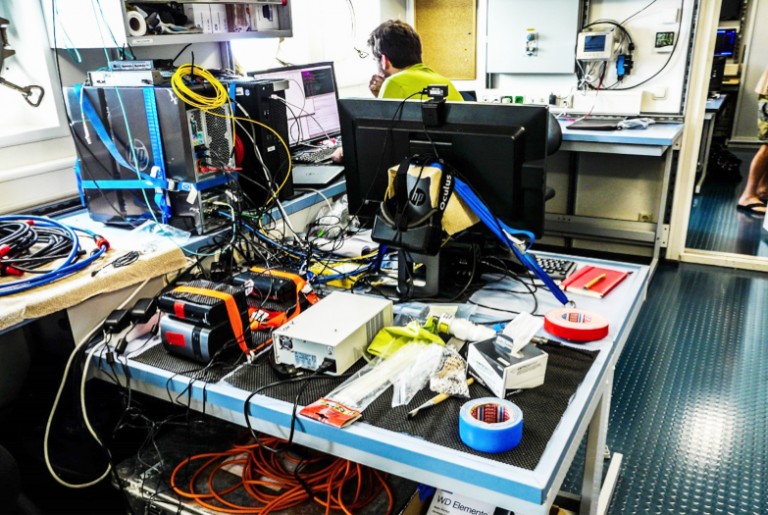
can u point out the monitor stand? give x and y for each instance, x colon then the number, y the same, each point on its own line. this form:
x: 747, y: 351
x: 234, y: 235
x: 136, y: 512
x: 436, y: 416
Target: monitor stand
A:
x: 428, y: 282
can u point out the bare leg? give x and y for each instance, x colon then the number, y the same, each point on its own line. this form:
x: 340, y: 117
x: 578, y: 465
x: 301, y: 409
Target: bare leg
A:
x: 762, y: 181
x: 757, y: 181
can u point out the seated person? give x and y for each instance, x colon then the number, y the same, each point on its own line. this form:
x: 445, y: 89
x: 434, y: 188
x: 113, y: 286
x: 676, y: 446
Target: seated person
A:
x: 401, y: 74
x: 397, y: 50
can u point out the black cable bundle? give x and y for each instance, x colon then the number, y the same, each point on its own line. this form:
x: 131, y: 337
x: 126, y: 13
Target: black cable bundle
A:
x: 25, y: 247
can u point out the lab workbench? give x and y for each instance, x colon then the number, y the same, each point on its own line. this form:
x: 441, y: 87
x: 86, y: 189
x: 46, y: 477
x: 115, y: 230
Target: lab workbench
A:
x: 713, y: 109
x: 88, y: 298
x: 507, y: 480
x: 615, y: 168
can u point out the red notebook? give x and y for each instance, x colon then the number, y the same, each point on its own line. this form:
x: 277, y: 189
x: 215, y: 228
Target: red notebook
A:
x: 593, y: 281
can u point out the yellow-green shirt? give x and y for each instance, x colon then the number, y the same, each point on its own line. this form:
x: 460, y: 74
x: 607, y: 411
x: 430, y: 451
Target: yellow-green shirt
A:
x: 414, y: 79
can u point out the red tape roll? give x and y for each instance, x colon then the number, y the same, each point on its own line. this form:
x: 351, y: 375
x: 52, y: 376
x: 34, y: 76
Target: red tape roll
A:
x: 576, y: 325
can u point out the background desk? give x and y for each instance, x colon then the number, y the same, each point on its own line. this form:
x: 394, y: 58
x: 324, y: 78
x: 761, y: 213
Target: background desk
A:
x: 714, y: 106
x: 611, y: 187
x: 482, y: 477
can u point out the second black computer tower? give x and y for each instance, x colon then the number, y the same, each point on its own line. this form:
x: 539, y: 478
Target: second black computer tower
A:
x: 717, y: 75
x: 264, y: 102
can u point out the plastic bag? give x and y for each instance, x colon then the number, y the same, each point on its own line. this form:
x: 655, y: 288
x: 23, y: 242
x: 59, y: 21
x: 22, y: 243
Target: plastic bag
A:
x: 417, y: 375
x: 451, y: 376
x: 346, y: 402
x: 157, y: 229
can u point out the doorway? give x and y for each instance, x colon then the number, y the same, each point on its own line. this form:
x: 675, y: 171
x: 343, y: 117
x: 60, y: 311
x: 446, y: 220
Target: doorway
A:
x: 706, y: 228
x: 715, y: 225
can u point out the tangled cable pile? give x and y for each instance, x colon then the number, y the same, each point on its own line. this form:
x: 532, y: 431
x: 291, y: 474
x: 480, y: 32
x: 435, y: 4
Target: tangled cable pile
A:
x: 278, y: 480
x: 29, y: 243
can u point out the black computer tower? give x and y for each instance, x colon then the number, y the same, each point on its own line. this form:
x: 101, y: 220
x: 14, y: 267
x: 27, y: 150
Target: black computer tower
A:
x: 196, y: 150
x: 717, y: 75
x: 262, y: 101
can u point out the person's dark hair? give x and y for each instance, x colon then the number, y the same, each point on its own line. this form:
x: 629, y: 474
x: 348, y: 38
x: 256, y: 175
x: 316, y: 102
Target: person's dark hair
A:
x: 398, y: 41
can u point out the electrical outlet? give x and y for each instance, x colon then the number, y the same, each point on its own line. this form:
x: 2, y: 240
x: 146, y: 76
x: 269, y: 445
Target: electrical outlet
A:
x: 643, y: 216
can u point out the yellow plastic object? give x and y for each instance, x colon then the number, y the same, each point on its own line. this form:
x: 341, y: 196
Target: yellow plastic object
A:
x: 339, y: 268
x: 390, y: 339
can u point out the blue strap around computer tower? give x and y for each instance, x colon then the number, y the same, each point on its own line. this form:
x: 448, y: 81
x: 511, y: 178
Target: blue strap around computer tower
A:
x: 79, y: 177
x: 232, y: 91
x: 143, y: 180
x: 156, y: 140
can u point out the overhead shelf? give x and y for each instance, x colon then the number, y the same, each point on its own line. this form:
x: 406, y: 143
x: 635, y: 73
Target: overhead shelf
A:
x: 77, y: 24
x: 183, y: 39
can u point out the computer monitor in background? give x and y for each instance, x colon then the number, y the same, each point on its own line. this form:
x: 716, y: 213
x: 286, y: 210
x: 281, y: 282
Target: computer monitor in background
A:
x: 499, y: 149
x: 311, y: 100
x: 725, y: 42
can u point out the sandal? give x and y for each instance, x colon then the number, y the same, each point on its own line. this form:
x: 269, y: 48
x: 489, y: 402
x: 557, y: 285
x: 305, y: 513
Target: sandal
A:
x: 754, y: 208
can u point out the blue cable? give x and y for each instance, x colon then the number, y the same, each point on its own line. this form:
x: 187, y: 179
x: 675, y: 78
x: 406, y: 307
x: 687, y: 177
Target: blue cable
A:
x: 342, y: 275
x: 70, y: 264
x: 498, y: 228
x: 288, y: 250
x: 310, y: 276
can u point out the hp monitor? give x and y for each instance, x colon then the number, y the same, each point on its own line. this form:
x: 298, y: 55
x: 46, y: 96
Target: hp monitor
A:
x: 498, y: 149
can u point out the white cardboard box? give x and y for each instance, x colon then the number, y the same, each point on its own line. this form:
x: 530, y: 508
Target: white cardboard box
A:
x: 200, y: 16
x: 219, y: 18
x: 500, y: 372
x: 264, y: 17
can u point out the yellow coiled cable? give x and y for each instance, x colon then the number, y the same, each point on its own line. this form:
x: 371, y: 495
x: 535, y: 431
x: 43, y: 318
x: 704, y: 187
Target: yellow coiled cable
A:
x: 207, y: 104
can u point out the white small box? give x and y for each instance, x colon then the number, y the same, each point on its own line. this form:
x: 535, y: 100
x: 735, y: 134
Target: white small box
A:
x: 219, y: 18
x: 494, y: 366
x: 264, y: 17
x: 200, y: 16
x: 337, y: 329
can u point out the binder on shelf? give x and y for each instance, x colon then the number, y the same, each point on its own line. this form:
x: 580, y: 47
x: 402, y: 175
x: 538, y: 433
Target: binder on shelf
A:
x: 593, y: 281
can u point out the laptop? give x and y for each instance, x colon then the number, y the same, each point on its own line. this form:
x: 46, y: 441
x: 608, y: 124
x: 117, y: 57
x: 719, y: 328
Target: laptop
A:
x: 312, y: 108
x: 314, y: 176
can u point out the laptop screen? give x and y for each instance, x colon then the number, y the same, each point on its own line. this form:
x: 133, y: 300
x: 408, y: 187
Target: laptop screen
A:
x: 311, y: 101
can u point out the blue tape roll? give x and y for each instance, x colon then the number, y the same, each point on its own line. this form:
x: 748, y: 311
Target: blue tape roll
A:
x: 490, y: 424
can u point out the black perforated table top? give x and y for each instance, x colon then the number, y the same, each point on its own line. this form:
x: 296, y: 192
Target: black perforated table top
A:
x: 542, y: 407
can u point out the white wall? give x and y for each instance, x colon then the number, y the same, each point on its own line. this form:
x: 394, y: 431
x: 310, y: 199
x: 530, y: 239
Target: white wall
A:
x: 660, y: 95
x: 30, y: 65
x: 36, y: 152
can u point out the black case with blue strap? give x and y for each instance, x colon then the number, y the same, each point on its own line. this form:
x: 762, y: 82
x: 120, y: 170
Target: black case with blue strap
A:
x: 143, y: 155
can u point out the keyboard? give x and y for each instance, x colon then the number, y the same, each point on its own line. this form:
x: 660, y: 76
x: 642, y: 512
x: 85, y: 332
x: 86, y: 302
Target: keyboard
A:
x: 315, y: 155
x: 557, y: 269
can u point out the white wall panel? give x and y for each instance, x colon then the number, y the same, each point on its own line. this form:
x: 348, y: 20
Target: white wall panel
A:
x: 555, y: 27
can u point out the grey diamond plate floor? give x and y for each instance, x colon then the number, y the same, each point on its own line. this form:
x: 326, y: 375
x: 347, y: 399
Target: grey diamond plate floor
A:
x: 716, y: 225
x: 690, y: 405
